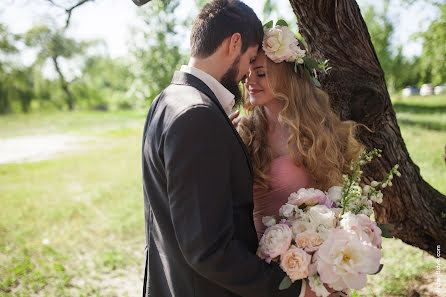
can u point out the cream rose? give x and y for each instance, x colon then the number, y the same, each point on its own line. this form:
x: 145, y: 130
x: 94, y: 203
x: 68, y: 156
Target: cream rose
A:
x: 308, y: 241
x: 295, y: 263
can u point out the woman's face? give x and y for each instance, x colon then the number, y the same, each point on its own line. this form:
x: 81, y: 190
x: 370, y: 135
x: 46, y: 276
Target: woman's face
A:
x: 257, y: 84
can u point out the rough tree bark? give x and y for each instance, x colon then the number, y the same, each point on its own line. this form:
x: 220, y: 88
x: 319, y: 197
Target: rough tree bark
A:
x: 335, y: 30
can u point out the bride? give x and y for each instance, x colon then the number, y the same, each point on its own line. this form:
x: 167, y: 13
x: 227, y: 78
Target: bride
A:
x: 294, y: 138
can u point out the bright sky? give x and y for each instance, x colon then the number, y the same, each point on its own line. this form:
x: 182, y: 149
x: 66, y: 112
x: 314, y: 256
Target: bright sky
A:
x: 111, y: 20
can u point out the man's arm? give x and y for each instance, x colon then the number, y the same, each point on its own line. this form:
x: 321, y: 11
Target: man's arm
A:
x: 197, y: 160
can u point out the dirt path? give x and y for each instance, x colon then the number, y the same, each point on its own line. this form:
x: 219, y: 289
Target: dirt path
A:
x: 38, y: 147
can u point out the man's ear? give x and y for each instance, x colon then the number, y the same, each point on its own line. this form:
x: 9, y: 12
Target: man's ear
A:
x: 235, y: 44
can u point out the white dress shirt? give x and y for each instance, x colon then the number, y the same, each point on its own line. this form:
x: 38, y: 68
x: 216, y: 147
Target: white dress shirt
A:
x: 225, y: 97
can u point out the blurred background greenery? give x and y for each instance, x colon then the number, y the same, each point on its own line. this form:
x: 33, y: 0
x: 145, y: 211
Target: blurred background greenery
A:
x: 72, y: 224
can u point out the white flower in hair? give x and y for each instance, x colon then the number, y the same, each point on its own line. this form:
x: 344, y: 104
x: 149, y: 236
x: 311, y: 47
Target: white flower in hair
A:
x: 298, y: 56
x: 280, y: 44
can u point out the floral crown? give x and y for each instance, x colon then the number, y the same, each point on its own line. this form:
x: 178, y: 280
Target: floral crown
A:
x: 281, y: 45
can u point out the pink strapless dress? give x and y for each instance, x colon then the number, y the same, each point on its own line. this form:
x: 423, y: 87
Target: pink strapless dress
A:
x: 285, y: 178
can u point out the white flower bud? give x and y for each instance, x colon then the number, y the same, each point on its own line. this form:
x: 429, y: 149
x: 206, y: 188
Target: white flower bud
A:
x: 366, y: 189
x: 374, y: 183
x: 268, y: 221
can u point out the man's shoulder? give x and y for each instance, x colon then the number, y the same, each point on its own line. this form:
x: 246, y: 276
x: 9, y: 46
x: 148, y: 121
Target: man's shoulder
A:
x: 184, y: 96
x: 176, y: 100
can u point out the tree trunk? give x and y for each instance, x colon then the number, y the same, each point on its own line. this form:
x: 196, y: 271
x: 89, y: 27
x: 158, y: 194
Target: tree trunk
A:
x: 335, y: 30
x: 64, y: 84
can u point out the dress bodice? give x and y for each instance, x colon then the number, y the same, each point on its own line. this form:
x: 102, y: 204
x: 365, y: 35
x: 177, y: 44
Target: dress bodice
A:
x: 285, y: 178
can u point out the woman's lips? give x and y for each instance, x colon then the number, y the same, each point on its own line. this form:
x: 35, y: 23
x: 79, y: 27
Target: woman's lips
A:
x: 253, y: 92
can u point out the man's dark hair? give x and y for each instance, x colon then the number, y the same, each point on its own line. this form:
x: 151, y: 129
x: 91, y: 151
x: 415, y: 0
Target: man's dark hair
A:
x: 219, y: 20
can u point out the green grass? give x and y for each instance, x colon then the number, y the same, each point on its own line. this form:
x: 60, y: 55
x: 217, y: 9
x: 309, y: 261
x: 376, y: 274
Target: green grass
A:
x: 87, y: 204
x: 423, y: 126
x: 73, y: 225
x: 81, y: 122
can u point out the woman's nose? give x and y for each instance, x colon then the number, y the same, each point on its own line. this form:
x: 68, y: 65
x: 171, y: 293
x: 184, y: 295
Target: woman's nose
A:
x: 250, y: 79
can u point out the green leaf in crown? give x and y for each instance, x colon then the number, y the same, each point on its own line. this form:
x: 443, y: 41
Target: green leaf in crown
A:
x: 268, y: 25
x: 281, y: 23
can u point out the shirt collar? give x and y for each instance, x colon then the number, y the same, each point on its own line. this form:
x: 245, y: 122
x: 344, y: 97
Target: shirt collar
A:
x: 223, y: 95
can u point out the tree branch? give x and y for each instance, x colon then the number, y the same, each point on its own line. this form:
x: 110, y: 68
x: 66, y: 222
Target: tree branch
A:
x: 69, y: 11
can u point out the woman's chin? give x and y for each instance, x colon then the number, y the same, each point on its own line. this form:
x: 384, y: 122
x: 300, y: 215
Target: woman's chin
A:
x: 255, y: 101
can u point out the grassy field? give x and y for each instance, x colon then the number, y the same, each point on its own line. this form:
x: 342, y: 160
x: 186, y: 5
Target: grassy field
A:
x: 73, y: 225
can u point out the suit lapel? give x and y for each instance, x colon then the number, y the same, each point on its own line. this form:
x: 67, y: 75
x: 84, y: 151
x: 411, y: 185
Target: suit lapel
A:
x: 182, y: 78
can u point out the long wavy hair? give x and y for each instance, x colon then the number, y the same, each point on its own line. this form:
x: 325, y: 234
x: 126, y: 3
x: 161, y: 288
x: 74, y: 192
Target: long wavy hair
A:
x: 318, y: 139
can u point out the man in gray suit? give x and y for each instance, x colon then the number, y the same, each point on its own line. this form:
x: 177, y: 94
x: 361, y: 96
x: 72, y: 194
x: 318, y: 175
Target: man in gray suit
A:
x: 200, y: 234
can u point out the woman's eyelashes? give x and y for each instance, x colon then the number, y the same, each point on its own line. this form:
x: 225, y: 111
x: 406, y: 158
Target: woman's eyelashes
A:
x: 262, y: 74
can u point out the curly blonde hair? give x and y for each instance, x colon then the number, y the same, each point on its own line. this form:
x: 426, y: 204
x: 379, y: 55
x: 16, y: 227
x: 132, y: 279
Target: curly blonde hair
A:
x: 318, y: 140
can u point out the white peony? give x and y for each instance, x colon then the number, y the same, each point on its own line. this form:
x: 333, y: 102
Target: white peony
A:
x: 279, y: 44
x: 275, y: 241
x: 343, y: 261
x: 299, y: 226
x: 334, y: 193
x: 308, y: 197
x: 363, y: 226
x: 322, y: 215
x: 288, y: 210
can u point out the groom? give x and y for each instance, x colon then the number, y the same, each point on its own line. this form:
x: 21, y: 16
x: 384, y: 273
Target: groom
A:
x: 197, y: 175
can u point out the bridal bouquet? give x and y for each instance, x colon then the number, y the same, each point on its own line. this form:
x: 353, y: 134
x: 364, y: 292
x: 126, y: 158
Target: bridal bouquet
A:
x: 328, y: 237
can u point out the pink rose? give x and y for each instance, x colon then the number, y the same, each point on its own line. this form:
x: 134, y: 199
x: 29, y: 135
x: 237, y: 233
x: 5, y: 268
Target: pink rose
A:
x: 295, y: 263
x: 309, y: 197
x: 275, y: 241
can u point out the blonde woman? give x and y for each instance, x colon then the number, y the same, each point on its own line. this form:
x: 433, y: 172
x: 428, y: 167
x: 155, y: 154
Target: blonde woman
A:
x: 293, y: 137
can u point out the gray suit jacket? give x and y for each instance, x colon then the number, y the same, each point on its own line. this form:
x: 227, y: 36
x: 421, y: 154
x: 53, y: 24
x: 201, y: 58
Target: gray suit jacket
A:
x: 201, y: 240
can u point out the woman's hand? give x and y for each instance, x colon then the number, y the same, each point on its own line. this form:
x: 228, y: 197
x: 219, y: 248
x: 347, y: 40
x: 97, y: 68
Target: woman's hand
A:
x: 233, y: 118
